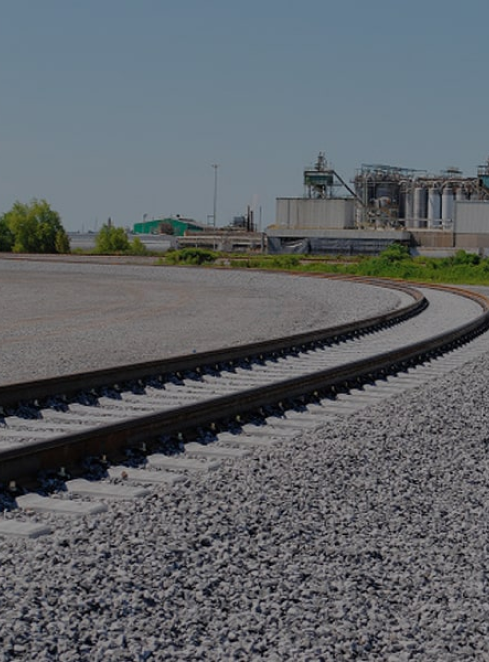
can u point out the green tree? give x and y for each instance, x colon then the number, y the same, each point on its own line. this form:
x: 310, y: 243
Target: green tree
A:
x: 6, y: 236
x: 137, y: 247
x: 111, y: 240
x: 62, y: 242
x: 36, y: 228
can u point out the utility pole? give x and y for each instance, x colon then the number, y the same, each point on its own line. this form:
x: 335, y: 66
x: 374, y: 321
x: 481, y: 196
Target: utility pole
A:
x: 215, y: 166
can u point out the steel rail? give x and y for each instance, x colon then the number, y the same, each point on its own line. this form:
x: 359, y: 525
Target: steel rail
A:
x: 68, y: 385
x: 112, y: 440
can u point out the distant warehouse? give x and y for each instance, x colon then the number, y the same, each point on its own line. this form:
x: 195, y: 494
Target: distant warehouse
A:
x: 174, y: 226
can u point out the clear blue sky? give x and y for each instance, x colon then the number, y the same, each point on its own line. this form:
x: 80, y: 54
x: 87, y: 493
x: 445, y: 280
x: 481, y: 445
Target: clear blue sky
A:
x: 119, y: 107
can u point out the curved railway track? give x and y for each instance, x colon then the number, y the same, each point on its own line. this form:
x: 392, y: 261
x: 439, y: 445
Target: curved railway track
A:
x: 54, y: 424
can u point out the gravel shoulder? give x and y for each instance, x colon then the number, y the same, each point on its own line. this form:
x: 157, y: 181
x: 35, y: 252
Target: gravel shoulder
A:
x: 65, y: 317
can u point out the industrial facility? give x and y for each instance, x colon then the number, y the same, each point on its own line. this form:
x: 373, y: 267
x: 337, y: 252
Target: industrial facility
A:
x: 239, y: 236
x: 398, y: 196
x: 436, y: 214
x: 385, y: 204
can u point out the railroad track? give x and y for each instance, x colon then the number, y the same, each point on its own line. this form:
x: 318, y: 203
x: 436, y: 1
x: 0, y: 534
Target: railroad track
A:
x: 52, y: 426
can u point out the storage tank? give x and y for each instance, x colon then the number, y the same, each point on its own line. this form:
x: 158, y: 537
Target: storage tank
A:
x: 461, y: 194
x: 434, y: 206
x: 408, y: 205
x: 420, y: 198
x: 447, y: 204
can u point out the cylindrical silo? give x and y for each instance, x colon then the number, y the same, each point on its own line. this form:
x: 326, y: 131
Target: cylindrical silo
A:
x: 420, y: 198
x: 434, y: 206
x: 461, y: 195
x: 447, y: 204
x: 408, y: 206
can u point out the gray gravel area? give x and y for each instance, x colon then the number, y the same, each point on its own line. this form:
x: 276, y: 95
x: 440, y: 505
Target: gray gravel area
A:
x: 366, y: 540
x: 64, y: 317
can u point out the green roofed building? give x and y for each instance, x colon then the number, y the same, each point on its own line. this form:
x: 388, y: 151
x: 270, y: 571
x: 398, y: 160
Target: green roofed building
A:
x: 174, y: 226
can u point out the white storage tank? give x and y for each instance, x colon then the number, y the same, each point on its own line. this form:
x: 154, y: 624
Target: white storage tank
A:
x: 420, y: 199
x: 447, y: 204
x: 434, y: 206
x: 461, y: 194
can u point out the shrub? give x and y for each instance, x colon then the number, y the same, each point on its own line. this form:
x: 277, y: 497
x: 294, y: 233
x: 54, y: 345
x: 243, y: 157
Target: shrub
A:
x: 395, y: 253
x: 111, y: 240
x: 137, y: 247
x: 461, y: 257
x: 192, y: 256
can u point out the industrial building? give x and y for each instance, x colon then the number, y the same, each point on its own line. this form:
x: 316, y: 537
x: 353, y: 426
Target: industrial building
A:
x: 239, y: 236
x: 174, y: 225
x: 224, y: 239
x: 325, y: 222
x: 386, y: 204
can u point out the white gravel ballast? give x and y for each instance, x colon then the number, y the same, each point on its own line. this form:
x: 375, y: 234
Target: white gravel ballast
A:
x: 366, y: 540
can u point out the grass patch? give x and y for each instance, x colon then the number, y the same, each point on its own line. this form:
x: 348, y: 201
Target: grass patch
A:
x: 286, y: 262
x: 394, y: 262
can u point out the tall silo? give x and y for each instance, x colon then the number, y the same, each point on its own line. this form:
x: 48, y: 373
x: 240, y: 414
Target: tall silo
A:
x: 461, y: 193
x: 406, y: 205
x: 447, y: 204
x: 420, y: 200
x: 434, y: 207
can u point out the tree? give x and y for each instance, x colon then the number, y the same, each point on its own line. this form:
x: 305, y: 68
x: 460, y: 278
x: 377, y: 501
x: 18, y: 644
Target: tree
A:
x: 62, y: 242
x: 137, y: 247
x: 111, y: 240
x: 6, y: 236
x: 36, y: 228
